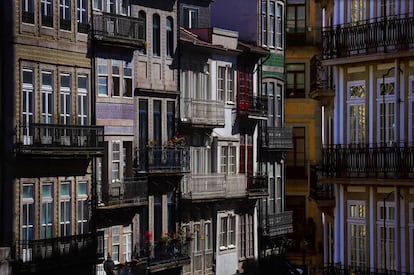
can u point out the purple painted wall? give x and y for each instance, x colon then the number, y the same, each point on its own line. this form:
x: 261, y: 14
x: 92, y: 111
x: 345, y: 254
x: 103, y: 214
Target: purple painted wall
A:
x: 114, y: 111
x: 244, y: 17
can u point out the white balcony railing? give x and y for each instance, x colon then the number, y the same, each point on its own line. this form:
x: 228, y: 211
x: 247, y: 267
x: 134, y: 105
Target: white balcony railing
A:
x: 204, y: 112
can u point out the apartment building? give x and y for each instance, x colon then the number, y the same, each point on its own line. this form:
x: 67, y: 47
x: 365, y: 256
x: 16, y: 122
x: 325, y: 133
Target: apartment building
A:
x: 50, y: 139
x: 368, y: 152
x: 304, y: 106
x: 262, y: 24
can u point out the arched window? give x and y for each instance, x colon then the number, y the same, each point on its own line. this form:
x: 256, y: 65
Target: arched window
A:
x: 156, y: 35
x: 169, y: 36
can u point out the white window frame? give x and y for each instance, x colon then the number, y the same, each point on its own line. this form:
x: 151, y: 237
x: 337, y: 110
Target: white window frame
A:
x: 360, y: 222
x: 47, y: 99
x: 127, y: 243
x: 82, y: 106
x: 228, y: 160
x: 208, y: 235
x: 45, y: 4
x: 227, y: 231
x: 264, y: 23
x: 28, y: 107
x: 196, y: 234
x: 82, y: 199
x: 127, y: 76
x: 279, y: 29
x: 114, y: 64
x: 64, y: 9
x: 116, y: 243
x: 103, y: 74
x: 272, y: 24
x: 65, y: 96
x: 46, y: 202
x: 28, y: 204
x: 226, y: 93
x: 82, y: 11
x: 357, y: 10
x: 389, y: 100
x: 356, y: 102
x: 116, y: 161
x: 65, y: 211
x: 190, y: 11
x: 391, y: 226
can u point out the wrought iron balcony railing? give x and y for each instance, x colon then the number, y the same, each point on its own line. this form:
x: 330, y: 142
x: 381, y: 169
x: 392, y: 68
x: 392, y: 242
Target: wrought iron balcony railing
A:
x: 129, y: 191
x: 368, y: 161
x: 163, y: 254
x: 257, y: 185
x: 213, y: 186
x: 60, y: 139
x: 164, y: 160
x: 278, y: 224
x: 339, y: 269
x: 44, y: 254
x: 119, y: 30
x: 277, y: 138
x: 322, y: 77
x: 202, y: 112
x: 370, y: 36
x: 252, y: 105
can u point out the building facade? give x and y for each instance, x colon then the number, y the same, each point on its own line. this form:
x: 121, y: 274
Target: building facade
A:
x: 367, y: 154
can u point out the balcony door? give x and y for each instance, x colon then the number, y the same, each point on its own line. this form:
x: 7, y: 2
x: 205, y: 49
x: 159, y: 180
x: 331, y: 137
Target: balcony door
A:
x: 356, y: 112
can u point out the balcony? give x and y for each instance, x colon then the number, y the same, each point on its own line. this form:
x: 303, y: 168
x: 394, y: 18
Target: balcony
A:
x: 117, y: 30
x: 166, y: 255
x: 277, y: 139
x: 42, y: 256
x: 322, y: 193
x: 280, y: 224
x: 252, y: 106
x: 129, y: 192
x: 321, y: 84
x: 257, y: 186
x: 202, y: 113
x: 368, y: 161
x: 60, y: 140
x: 213, y: 186
x: 164, y: 160
x: 378, y: 35
x: 338, y: 268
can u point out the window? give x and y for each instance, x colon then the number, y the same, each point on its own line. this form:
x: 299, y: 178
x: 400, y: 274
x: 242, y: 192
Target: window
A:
x: 279, y: 26
x: 28, y: 11
x: 386, y: 236
x: 143, y: 16
x: 65, y: 11
x: 296, y: 160
x: 387, y: 7
x: 65, y: 209
x: 65, y: 99
x: 47, y: 97
x: 225, y: 83
x: 264, y: 23
x: 82, y: 15
x: 83, y: 210
x: 28, y: 212
x: 169, y: 36
x: 115, y: 77
x: 197, y: 241
x: 127, y: 89
x: 127, y: 243
x: 272, y: 24
x: 245, y: 93
x: 357, y: 10
x: 143, y: 123
x: 296, y: 18
x: 386, y: 118
x: 411, y: 109
x: 82, y: 100
x: 228, y: 160
x: 27, y: 105
x: 157, y: 122
x: 116, y: 161
x: 47, y: 211
x: 170, y: 119
x: 207, y: 236
x: 102, y: 76
x: 227, y: 231
x: 116, y: 243
x: 246, y: 155
x: 411, y: 233
x: 295, y: 81
x: 274, y: 101
x: 156, y: 35
x: 47, y: 13
x: 190, y: 18
x: 356, y: 109
x: 27, y: 220
x: 357, y: 235
x: 246, y: 236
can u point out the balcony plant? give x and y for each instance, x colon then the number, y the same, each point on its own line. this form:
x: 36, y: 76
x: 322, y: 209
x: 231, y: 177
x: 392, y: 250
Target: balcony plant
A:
x: 176, y: 141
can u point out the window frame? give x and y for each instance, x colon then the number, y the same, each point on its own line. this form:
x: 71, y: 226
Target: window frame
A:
x: 47, y: 206
x: 227, y: 231
x: 189, y: 21
x: 390, y: 111
x: 82, y: 209
x: 296, y: 89
x: 156, y: 35
x: 360, y: 223
x: 65, y: 210
x: 82, y: 104
x: 359, y: 102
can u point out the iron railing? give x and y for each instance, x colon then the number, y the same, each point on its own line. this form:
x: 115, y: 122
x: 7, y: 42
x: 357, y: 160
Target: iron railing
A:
x: 252, y: 105
x: 45, y: 253
x: 118, y: 29
x: 321, y: 76
x: 257, y: 185
x: 368, y: 160
x: 202, y: 112
x: 278, y: 224
x: 213, y: 186
x: 173, y: 251
x: 128, y: 191
x: 164, y: 160
x: 339, y: 269
x: 36, y: 136
x: 277, y: 138
x: 370, y: 36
